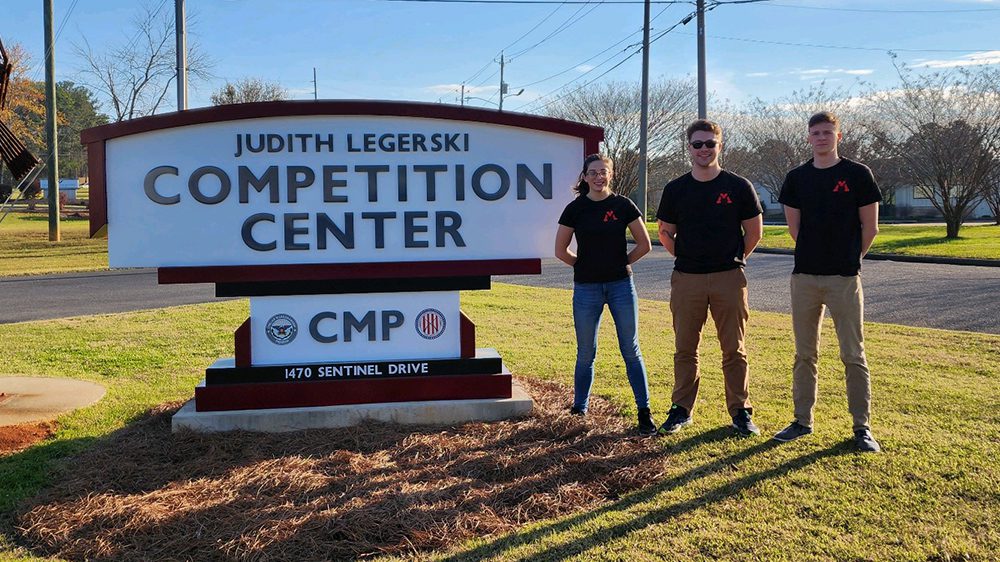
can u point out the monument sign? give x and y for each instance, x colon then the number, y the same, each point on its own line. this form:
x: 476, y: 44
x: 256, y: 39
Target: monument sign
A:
x: 352, y: 227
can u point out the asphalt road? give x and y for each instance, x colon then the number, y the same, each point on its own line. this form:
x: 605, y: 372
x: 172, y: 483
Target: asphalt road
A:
x: 951, y: 297
x: 938, y: 296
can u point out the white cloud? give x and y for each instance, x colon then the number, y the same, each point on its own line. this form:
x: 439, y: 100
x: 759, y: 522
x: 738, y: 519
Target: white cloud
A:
x: 758, y: 74
x: 814, y: 72
x: 973, y: 59
x: 585, y: 67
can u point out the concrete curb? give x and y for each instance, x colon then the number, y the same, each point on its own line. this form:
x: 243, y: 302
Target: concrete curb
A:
x: 941, y: 260
x: 904, y: 258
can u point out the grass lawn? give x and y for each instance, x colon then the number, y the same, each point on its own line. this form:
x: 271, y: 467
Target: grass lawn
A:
x: 25, y: 248
x: 932, y: 495
x: 979, y: 241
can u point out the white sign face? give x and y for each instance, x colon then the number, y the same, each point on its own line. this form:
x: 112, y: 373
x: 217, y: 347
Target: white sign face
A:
x: 336, y: 328
x: 335, y: 189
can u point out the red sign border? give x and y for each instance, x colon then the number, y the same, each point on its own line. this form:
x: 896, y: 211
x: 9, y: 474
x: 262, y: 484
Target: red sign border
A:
x: 96, y: 137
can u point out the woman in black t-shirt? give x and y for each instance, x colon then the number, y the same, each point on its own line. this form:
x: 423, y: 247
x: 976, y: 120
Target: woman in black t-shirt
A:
x: 602, y: 275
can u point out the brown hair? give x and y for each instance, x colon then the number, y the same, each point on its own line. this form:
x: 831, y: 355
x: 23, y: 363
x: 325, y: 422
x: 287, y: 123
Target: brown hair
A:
x: 582, y: 188
x: 825, y: 117
x: 704, y: 125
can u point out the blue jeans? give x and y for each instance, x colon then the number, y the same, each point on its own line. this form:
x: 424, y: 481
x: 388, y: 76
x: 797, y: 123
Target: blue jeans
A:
x: 588, y: 306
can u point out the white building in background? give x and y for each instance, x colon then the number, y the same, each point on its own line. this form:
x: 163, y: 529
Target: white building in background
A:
x: 67, y: 186
x: 909, y: 203
x: 913, y: 203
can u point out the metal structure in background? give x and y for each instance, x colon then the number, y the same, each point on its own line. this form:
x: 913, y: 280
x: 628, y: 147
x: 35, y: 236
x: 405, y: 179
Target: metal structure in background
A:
x: 23, y: 165
x: 12, y: 151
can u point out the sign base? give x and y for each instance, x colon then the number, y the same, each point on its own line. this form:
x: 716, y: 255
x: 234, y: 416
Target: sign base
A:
x: 428, y: 412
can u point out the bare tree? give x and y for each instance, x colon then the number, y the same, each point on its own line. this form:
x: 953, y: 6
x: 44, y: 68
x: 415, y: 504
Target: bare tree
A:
x: 616, y: 107
x: 135, y: 78
x: 947, y: 125
x: 249, y: 90
x: 767, y: 139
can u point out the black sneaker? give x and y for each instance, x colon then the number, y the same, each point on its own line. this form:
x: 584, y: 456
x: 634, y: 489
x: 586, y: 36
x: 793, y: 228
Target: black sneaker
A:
x: 646, y: 424
x: 743, y: 424
x: 577, y: 411
x: 864, y: 441
x: 792, y: 432
x: 676, y: 419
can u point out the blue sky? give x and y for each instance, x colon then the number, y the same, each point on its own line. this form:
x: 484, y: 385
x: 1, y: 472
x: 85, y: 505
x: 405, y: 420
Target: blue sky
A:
x: 370, y: 49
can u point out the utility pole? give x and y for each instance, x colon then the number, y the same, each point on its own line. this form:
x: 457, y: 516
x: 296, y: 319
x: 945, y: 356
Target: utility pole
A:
x: 180, y: 32
x: 315, y: 86
x: 702, y: 88
x: 50, y: 125
x: 644, y: 118
x: 463, y: 95
x: 503, y: 85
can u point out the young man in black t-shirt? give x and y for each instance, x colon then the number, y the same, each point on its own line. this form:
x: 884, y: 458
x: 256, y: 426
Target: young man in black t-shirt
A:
x: 831, y: 204
x: 710, y: 220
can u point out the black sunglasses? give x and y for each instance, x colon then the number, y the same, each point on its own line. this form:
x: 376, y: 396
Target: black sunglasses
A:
x: 709, y: 143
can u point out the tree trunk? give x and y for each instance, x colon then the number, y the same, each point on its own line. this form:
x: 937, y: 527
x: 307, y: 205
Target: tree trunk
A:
x: 952, y: 225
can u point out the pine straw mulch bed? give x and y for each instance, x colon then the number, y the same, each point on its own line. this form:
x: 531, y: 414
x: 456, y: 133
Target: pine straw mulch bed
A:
x: 144, y: 494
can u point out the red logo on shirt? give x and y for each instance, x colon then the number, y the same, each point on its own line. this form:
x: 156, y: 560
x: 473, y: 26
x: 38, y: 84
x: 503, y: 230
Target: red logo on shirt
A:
x: 610, y: 216
x: 723, y: 197
x: 842, y: 184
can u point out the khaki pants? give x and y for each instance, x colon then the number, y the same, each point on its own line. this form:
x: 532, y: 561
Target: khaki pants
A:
x: 845, y: 298
x: 692, y: 296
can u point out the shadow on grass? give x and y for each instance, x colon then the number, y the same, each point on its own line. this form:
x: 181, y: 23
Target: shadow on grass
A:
x: 729, y: 490
x: 890, y: 246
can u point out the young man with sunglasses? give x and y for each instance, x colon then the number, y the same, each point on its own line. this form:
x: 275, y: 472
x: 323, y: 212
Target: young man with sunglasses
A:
x: 831, y: 204
x: 710, y: 220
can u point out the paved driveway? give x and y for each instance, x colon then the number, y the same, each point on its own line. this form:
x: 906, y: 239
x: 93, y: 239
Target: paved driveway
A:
x: 952, y: 297
x: 938, y: 296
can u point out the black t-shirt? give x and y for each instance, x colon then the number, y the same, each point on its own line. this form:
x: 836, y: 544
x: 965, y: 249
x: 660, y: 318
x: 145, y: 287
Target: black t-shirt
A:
x: 599, y: 227
x: 829, y: 240
x: 709, y: 216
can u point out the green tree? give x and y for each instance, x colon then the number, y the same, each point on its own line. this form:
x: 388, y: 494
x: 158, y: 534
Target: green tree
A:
x: 77, y: 106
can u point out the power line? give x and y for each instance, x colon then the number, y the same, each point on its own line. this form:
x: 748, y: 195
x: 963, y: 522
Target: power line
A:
x: 579, y: 64
x: 562, y: 27
x: 566, y: 24
x: 844, y: 47
x: 541, y: 1
x: 864, y: 10
x: 660, y: 35
x: 37, y: 69
x: 487, y: 65
x: 537, y: 25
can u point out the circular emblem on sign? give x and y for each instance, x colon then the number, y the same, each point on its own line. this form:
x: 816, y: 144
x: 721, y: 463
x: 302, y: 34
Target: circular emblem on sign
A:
x: 430, y: 323
x: 281, y: 329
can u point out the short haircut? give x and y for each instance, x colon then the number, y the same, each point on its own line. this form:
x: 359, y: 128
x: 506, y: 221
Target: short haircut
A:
x: 704, y: 125
x: 825, y: 117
